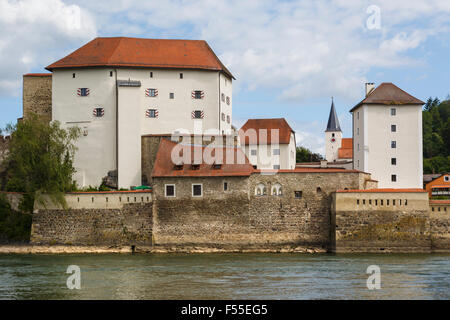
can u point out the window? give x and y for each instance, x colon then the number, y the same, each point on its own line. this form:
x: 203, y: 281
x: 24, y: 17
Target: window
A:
x: 228, y: 100
x: 358, y: 163
x: 297, y: 194
x: 276, y: 189
x: 318, y: 190
x: 357, y: 201
x: 364, y: 201
x: 223, y: 97
x: 181, y: 76
x: 151, y: 113
x: 178, y: 167
x: 195, y: 166
x: 393, y: 202
x: 83, y: 92
x: 228, y: 119
x: 381, y: 202
x: 110, y: 73
x: 171, y: 95
x: 276, y: 167
x: 370, y: 201
x: 446, y: 178
x: 151, y: 92
x: 253, y: 152
x: 393, y: 144
x: 197, y: 94
x: 393, y: 111
x: 332, y: 135
x: 223, y: 116
x: 276, y: 152
x: 387, y: 202
x: 260, y: 190
x: 197, y: 190
x: 151, y: 74
x: 170, y: 190
x: 357, y: 131
x: 217, y: 166
x: 394, y: 178
x: 98, y: 112
x: 357, y: 115
x: 73, y: 75
x: 393, y: 128
x: 394, y: 161
x: 197, y: 114
x: 225, y: 186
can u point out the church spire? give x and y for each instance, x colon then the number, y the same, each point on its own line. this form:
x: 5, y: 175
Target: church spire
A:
x: 333, y: 121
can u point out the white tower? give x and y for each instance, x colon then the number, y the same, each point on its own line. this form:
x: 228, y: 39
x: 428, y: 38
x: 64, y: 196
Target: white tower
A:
x: 333, y: 135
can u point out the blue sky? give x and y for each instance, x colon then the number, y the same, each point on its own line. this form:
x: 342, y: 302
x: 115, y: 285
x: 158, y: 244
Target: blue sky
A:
x: 289, y: 57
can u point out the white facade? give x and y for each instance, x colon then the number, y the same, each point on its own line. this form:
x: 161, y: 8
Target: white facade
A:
x: 374, y: 139
x: 113, y: 141
x: 333, y: 141
x: 272, y: 156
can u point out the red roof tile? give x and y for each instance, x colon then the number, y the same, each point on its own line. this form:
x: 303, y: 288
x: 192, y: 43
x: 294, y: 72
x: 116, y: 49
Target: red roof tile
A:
x: 308, y: 170
x: 145, y: 53
x: 440, y: 202
x: 265, y: 124
x: 165, y: 167
x: 382, y: 191
x: 389, y: 94
x: 37, y: 75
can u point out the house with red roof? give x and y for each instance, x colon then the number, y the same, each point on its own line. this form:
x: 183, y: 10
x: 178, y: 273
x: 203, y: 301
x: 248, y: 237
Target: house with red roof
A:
x: 119, y: 89
x: 269, y: 143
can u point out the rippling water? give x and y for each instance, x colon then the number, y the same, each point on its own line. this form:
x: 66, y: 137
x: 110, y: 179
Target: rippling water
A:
x: 225, y: 276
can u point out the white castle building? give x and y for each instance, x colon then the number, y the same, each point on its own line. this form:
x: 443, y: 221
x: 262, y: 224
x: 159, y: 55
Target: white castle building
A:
x: 387, y: 136
x: 118, y: 89
x: 337, y: 149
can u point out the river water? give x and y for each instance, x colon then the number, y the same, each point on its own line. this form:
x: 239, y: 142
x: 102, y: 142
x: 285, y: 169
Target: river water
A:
x: 225, y: 276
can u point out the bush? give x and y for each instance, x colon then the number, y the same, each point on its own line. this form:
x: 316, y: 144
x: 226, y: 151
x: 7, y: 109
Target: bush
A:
x: 14, y: 226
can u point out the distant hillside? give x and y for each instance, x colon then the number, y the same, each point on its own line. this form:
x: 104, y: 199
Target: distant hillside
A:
x: 436, y: 136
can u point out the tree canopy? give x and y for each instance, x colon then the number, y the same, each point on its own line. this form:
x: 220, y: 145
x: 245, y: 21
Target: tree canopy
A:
x: 436, y: 136
x: 305, y: 155
x: 40, y: 159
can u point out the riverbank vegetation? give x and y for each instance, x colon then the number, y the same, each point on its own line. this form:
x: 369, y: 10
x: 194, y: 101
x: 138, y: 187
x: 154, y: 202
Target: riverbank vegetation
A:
x: 436, y: 136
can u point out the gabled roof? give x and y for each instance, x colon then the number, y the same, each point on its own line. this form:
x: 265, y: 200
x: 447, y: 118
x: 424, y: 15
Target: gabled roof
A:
x: 388, y: 93
x: 144, y: 53
x: 165, y: 167
x: 333, y: 121
x: 265, y: 124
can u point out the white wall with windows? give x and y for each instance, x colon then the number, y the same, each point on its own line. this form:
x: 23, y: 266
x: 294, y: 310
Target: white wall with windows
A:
x: 391, y: 144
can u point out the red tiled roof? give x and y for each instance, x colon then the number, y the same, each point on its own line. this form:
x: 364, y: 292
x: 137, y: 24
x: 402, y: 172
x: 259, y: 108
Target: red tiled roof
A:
x: 145, y: 53
x: 37, y: 75
x: 383, y: 191
x: 308, y: 170
x: 265, y: 124
x: 440, y: 202
x: 389, y: 94
x: 441, y: 186
x: 111, y: 191
x: 165, y: 167
x: 346, y: 149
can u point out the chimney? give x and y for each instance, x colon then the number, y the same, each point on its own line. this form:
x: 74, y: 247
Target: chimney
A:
x: 369, y: 88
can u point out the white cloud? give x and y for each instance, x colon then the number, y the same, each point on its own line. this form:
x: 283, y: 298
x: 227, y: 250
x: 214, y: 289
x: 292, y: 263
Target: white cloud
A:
x: 34, y: 33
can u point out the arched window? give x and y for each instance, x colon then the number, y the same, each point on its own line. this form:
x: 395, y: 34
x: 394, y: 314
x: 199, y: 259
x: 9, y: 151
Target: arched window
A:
x: 276, y: 189
x: 319, y: 190
x: 260, y: 190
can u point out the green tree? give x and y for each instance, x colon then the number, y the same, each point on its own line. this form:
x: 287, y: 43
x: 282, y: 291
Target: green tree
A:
x: 40, y: 160
x: 305, y: 155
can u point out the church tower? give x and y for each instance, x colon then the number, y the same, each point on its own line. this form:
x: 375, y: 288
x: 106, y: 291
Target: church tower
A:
x: 333, y: 136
